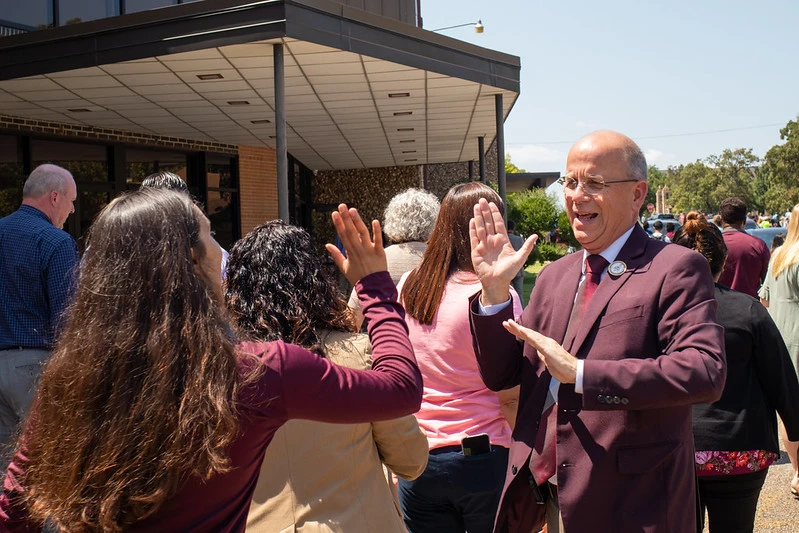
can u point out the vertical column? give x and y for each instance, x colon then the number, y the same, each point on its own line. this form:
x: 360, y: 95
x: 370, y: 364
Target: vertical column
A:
x: 481, y: 148
x: 501, y: 151
x: 280, y: 135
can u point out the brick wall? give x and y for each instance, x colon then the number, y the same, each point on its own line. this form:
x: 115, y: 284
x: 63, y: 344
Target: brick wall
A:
x: 76, y: 131
x: 257, y: 186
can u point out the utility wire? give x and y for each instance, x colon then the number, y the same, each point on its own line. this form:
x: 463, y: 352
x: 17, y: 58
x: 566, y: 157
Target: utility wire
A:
x: 670, y: 135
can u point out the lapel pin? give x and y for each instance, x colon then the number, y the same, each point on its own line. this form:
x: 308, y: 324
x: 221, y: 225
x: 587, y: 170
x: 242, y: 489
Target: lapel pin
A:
x: 617, y: 268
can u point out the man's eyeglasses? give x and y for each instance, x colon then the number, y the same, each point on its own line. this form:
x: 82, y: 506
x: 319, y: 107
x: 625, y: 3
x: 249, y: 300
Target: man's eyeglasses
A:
x: 592, y: 184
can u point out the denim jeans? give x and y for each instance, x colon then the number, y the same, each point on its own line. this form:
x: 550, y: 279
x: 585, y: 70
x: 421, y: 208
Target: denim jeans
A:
x: 456, y: 493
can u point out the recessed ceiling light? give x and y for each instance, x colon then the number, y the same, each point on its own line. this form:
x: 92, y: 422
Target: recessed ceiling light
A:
x: 238, y: 102
x: 411, y: 160
x: 409, y: 151
x: 210, y: 76
x: 80, y: 110
x: 402, y: 113
x: 408, y: 141
x: 398, y: 95
x: 261, y: 121
x: 404, y: 129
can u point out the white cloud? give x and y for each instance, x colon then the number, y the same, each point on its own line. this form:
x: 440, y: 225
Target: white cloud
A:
x: 659, y: 159
x: 582, y: 125
x: 534, y: 158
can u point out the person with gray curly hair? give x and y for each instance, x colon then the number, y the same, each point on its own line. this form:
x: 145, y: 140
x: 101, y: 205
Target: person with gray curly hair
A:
x: 408, y: 221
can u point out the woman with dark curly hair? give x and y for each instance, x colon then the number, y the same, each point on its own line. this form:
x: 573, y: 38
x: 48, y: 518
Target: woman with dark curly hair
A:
x: 460, y: 488
x: 736, y: 437
x: 148, y: 417
x: 316, y: 476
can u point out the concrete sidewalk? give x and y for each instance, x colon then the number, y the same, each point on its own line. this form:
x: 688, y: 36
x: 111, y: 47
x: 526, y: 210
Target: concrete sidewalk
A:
x: 778, y: 509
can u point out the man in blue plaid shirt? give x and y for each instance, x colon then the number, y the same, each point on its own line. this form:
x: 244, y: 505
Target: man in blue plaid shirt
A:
x: 38, y: 263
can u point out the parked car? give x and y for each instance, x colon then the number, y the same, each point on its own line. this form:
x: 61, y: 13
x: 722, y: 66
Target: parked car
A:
x: 750, y: 224
x: 665, y: 217
x: 766, y: 234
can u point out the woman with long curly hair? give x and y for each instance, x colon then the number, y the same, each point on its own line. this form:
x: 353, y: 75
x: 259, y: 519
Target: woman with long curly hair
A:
x: 316, y: 476
x: 780, y: 294
x: 457, y: 492
x: 147, y: 417
x: 736, y: 436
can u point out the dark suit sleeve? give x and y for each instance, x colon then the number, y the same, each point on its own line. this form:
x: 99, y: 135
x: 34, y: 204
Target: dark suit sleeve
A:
x: 775, y: 370
x: 690, y: 366
x: 499, y: 354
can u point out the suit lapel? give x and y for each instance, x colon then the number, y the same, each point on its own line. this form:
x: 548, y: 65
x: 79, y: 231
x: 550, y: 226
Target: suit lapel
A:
x: 566, y: 288
x: 632, y: 255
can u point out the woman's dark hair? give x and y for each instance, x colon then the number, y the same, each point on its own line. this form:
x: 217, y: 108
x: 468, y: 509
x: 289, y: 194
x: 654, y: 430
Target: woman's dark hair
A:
x: 698, y: 234
x: 278, y: 288
x: 138, y: 394
x: 448, y: 250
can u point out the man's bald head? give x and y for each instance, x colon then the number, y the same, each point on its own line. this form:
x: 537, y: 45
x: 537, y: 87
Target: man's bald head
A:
x: 45, y: 179
x: 615, y: 145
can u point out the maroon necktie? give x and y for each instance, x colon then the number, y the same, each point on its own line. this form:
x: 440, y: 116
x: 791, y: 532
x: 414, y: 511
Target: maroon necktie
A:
x: 543, y: 460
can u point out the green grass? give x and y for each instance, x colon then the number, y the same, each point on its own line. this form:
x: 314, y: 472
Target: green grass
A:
x: 530, y: 273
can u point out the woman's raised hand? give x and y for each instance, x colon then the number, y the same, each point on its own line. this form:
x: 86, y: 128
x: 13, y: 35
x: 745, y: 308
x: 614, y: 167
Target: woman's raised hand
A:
x: 365, y: 255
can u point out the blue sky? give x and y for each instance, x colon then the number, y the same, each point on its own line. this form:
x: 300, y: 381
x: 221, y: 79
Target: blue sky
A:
x: 656, y: 71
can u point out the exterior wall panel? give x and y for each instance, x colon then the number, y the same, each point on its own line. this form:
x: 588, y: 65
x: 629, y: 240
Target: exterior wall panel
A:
x: 257, y: 186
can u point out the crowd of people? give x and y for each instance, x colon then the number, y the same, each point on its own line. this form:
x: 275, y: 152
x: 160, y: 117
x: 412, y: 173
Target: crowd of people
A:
x: 158, y: 384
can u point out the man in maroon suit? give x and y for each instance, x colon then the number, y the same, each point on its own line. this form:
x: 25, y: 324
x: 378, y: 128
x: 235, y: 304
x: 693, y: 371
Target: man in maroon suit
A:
x: 620, y: 340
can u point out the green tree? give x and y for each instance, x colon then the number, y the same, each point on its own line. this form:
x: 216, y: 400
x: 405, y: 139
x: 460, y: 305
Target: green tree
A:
x: 534, y: 211
x: 734, y: 172
x: 510, y: 168
x: 654, y: 178
x: 782, y: 167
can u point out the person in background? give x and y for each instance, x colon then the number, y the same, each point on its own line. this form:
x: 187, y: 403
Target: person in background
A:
x: 776, y: 242
x: 780, y: 294
x: 148, y: 416
x: 618, y: 341
x: 315, y: 476
x: 657, y: 232
x: 172, y: 182
x: 717, y: 221
x: 408, y: 221
x: 747, y: 256
x: 37, y: 272
x: 517, y: 242
x: 669, y: 230
x: 736, y: 436
x: 457, y: 492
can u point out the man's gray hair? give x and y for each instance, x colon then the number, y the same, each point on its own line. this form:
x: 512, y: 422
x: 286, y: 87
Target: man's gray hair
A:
x: 410, y: 216
x: 636, y: 162
x: 44, y: 179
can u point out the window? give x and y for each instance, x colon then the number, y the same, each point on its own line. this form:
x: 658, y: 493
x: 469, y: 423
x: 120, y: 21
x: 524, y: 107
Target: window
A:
x: 222, y: 198
x: 11, y: 175
x: 133, y: 6
x: 76, y: 11
x: 141, y: 163
x: 17, y: 17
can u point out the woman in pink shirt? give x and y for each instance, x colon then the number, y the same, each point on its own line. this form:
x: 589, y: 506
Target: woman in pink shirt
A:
x: 460, y: 488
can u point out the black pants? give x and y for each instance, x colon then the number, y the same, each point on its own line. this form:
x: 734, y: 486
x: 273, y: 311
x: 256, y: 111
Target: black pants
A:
x: 731, y: 501
x: 456, y: 493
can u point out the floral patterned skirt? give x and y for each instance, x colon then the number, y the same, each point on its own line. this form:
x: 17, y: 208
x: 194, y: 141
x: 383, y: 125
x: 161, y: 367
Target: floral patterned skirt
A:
x: 715, y: 463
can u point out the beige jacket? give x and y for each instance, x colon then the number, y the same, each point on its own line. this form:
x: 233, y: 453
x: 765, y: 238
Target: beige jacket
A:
x: 320, y: 477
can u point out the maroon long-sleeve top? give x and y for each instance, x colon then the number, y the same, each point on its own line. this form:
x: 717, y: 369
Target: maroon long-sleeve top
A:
x: 295, y: 383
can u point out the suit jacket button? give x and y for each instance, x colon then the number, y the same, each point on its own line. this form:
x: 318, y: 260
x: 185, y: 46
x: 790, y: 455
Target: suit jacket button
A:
x: 616, y: 400
x: 624, y: 401
x: 513, y: 470
x: 600, y: 399
x: 608, y: 399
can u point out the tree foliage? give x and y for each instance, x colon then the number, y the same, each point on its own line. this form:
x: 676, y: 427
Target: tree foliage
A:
x: 534, y: 211
x: 510, y: 168
x: 782, y: 168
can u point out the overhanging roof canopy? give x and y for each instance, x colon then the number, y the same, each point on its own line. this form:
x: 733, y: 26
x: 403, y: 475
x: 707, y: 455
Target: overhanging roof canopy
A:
x: 361, y: 90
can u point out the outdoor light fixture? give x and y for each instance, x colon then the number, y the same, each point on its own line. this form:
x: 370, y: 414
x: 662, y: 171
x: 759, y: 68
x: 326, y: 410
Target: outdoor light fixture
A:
x: 411, y: 160
x: 404, y: 129
x: 398, y: 95
x: 80, y: 110
x: 478, y: 26
x: 408, y: 141
x: 402, y: 113
x: 238, y: 102
x: 205, y: 77
x: 261, y: 121
x: 409, y: 151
